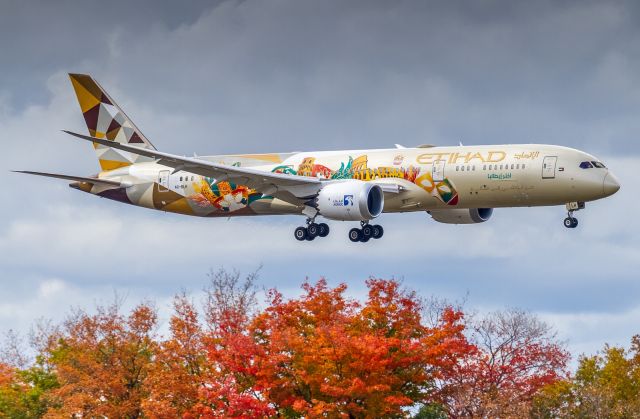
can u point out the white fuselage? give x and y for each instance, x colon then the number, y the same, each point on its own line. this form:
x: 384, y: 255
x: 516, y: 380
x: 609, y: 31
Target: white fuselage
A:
x: 430, y: 178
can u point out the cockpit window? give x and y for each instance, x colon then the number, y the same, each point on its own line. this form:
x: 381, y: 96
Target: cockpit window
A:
x: 586, y: 165
x: 599, y: 165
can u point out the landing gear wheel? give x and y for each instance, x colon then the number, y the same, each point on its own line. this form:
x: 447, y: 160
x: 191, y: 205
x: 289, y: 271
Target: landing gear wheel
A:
x: 355, y: 235
x: 300, y: 233
x: 378, y: 231
x: 367, y: 231
x: 313, y: 230
x: 323, y: 230
x: 571, y: 222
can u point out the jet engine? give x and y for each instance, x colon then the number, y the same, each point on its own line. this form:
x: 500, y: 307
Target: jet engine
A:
x: 350, y: 200
x: 461, y: 216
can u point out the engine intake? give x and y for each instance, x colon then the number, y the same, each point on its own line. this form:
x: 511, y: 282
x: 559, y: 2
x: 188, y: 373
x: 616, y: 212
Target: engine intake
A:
x: 350, y: 200
x: 462, y: 216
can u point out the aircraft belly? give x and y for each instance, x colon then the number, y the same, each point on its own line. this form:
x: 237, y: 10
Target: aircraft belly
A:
x: 261, y: 206
x: 274, y: 206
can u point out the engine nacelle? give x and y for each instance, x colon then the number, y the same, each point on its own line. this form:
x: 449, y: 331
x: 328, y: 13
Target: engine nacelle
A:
x: 350, y: 200
x: 461, y: 216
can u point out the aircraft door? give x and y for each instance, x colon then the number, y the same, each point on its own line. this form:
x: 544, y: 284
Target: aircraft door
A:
x: 438, y: 171
x: 163, y: 180
x: 549, y: 167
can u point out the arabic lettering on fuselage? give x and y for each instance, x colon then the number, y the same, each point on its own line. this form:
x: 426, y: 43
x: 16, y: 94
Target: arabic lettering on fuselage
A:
x: 530, y: 155
x: 499, y: 176
x: 452, y: 158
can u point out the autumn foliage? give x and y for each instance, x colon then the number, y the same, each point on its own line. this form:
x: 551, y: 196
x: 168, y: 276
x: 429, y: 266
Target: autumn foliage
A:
x: 515, y: 355
x: 102, y: 362
x: 322, y: 354
x: 606, y: 385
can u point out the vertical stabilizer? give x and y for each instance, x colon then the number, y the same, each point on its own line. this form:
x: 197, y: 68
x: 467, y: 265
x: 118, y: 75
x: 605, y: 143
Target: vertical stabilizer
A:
x: 105, y: 119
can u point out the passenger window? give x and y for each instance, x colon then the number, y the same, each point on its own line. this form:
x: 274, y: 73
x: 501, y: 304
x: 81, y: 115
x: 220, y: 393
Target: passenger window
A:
x: 457, y: 168
x: 484, y: 167
x: 523, y: 165
x: 473, y: 168
x: 180, y: 178
x: 512, y: 167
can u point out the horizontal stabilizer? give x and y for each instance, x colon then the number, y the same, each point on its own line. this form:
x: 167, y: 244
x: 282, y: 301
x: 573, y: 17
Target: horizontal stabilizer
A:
x: 75, y: 178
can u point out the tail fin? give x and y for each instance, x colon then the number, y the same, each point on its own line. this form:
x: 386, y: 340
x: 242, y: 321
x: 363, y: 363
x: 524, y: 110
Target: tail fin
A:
x: 105, y: 119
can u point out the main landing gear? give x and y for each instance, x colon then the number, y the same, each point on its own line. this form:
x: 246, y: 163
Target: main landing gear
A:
x: 365, y: 233
x: 311, y: 231
x: 571, y: 221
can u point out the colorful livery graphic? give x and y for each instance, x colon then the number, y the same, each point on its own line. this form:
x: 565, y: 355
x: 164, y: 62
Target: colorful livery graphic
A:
x: 456, y: 185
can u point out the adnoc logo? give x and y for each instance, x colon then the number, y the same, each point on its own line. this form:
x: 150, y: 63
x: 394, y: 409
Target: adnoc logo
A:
x: 348, y: 200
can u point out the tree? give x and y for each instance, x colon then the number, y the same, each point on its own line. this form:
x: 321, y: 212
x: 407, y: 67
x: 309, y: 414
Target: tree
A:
x: 232, y: 390
x: 326, y: 355
x: 23, y: 393
x: 322, y: 354
x: 606, y: 385
x: 101, y: 362
x: 516, y: 355
x: 179, y: 368
x: 12, y: 351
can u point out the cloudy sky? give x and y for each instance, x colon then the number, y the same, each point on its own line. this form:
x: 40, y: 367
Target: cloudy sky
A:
x: 284, y: 75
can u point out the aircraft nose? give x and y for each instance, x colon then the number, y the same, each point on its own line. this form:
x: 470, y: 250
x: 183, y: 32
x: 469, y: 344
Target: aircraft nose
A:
x: 610, y: 185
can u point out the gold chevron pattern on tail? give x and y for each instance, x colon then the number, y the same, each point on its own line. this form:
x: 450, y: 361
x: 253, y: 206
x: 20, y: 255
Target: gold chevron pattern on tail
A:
x: 105, y: 119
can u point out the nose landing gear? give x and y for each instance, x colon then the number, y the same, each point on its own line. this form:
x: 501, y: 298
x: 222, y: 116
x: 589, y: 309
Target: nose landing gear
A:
x: 311, y: 231
x: 571, y: 221
x: 365, y: 233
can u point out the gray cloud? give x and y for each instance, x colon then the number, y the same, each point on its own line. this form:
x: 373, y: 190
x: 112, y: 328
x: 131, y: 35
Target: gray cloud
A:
x: 275, y: 76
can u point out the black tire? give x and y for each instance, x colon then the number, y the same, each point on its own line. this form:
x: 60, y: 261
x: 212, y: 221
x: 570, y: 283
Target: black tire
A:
x: 378, y: 231
x: 300, y: 233
x: 313, y: 230
x: 355, y: 235
x: 367, y: 231
x: 575, y: 223
x: 568, y: 222
x: 324, y: 230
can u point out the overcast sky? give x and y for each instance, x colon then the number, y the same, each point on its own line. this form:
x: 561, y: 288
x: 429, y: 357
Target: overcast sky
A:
x: 284, y: 75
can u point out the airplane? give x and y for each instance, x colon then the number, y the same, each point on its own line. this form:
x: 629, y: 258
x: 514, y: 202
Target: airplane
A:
x: 453, y: 184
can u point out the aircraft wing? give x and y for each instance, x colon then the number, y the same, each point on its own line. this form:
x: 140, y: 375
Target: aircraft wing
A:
x: 75, y: 178
x: 293, y: 189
